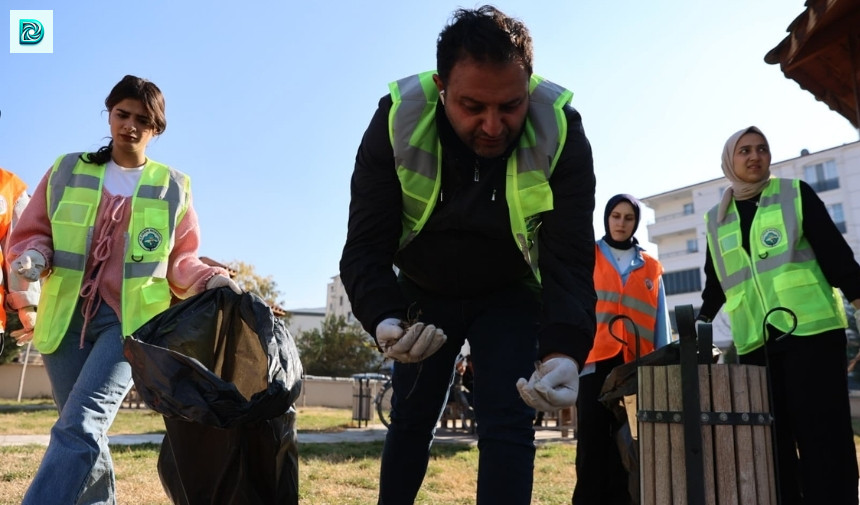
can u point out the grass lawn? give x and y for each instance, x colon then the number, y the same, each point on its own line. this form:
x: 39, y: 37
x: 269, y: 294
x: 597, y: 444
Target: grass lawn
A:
x: 341, y: 474
x: 329, y: 474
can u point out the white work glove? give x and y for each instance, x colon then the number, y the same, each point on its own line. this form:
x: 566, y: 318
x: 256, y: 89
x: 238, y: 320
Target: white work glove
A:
x: 219, y: 281
x: 411, y: 345
x: 27, y: 315
x: 554, y: 385
x: 29, y: 265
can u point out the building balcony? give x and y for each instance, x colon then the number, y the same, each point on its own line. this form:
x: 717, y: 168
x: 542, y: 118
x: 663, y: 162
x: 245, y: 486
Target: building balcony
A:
x: 673, y: 224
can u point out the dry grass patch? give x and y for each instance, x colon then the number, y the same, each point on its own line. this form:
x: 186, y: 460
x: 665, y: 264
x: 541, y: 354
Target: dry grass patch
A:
x: 137, y: 475
x: 35, y: 417
x: 329, y: 474
x: 349, y: 473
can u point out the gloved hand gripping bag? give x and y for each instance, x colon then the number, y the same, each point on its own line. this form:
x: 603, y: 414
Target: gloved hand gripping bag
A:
x: 225, y: 374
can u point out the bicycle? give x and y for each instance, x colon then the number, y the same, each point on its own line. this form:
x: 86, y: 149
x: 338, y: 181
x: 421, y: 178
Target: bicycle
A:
x: 458, y: 406
x: 383, y: 402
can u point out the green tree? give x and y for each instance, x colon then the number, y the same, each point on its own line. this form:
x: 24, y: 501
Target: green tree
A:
x: 265, y: 287
x: 337, y: 349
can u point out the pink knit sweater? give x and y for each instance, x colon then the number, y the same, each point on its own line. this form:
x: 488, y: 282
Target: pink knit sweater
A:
x: 186, y: 274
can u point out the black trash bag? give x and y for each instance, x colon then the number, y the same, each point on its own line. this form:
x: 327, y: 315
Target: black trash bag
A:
x: 225, y: 374
x: 623, y: 381
x: 628, y: 448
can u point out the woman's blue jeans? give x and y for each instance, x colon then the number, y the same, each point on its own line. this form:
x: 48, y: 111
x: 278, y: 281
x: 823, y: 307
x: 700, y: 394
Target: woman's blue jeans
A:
x: 88, y: 386
x: 502, y: 333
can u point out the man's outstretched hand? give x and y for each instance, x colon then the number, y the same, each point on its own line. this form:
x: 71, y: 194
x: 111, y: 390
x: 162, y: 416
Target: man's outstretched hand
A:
x: 408, y: 345
x: 554, y: 385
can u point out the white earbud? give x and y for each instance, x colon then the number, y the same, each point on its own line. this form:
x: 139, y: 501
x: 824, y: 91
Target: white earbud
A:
x: 442, y: 96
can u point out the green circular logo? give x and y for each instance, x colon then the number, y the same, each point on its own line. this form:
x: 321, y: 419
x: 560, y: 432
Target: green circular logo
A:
x: 149, y: 239
x: 771, y: 237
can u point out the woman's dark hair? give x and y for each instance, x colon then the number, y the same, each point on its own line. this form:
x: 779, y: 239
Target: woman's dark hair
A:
x: 486, y: 35
x: 135, y: 88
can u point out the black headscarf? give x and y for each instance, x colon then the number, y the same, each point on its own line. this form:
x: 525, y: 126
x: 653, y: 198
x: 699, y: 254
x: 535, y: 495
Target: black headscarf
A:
x: 615, y: 200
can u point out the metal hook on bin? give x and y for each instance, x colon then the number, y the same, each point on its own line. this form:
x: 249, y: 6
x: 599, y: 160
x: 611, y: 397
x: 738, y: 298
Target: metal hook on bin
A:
x: 770, y: 387
x: 779, y: 309
x: 624, y: 342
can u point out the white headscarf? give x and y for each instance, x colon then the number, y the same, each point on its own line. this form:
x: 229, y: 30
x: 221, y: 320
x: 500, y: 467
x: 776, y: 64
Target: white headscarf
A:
x: 739, y: 189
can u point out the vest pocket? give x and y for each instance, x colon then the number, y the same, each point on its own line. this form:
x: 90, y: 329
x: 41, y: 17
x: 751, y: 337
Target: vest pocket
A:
x: 73, y: 213
x: 801, y: 292
x: 536, y: 199
x: 53, y: 312
x: 155, y: 290
x: 156, y: 218
x: 738, y: 308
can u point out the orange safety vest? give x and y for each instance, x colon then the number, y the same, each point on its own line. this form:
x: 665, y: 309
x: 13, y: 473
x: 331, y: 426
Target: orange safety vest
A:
x: 636, y: 299
x: 11, y: 187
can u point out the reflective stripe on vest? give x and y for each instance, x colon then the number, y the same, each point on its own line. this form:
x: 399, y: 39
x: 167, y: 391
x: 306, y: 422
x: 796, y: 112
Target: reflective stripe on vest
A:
x: 11, y: 187
x: 417, y: 156
x: 637, y: 299
x: 780, y: 270
x: 73, y: 196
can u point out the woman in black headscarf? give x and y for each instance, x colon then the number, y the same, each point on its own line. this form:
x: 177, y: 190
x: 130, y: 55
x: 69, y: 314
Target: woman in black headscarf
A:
x: 628, y: 281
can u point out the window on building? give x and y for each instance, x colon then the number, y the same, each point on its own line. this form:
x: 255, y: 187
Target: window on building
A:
x: 692, y: 245
x: 689, y: 209
x: 682, y: 281
x: 341, y: 300
x: 837, y: 216
x: 822, y: 176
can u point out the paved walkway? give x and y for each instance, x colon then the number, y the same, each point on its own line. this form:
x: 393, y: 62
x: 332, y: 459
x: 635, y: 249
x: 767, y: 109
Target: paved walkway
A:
x: 371, y: 433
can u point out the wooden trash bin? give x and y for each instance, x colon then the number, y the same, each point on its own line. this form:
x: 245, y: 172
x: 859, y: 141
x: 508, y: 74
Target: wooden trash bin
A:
x: 705, y: 433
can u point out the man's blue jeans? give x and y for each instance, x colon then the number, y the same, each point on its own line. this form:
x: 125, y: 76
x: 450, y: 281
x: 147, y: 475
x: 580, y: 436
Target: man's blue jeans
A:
x: 88, y: 385
x: 502, y: 333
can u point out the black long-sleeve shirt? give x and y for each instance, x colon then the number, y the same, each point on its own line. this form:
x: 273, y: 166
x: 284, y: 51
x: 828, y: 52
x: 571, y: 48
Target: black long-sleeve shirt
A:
x: 832, y: 252
x: 466, y: 248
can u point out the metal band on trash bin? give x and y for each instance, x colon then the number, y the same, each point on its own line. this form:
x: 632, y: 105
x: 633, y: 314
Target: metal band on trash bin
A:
x: 712, y: 418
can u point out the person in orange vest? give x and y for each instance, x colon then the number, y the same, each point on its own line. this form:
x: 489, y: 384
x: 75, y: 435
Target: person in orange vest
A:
x: 16, y: 293
x: 628, y: 281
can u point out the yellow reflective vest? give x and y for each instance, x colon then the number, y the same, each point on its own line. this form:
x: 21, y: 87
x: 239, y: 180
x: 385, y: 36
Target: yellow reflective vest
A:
x: 418, y: 156
x: 780, y: 270
x: 74, y: 191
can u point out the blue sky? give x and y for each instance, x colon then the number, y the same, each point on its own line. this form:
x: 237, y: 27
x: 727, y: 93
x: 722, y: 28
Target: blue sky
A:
x: 267, y: 101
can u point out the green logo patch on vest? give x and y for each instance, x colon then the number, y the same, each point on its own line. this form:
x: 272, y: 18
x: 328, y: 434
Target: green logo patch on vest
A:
x: 771, y: 237
x: 149, y: 239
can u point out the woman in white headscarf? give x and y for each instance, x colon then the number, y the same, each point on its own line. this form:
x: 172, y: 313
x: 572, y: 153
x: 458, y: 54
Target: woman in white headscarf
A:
x: 771, y: 243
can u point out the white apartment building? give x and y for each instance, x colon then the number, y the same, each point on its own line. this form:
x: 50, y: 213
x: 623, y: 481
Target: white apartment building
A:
x: 302, y: 320
x: 337, y: 303
x: 678, y: 229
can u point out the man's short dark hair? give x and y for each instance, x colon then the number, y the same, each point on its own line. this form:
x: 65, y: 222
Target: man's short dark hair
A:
x: 486, y: 35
